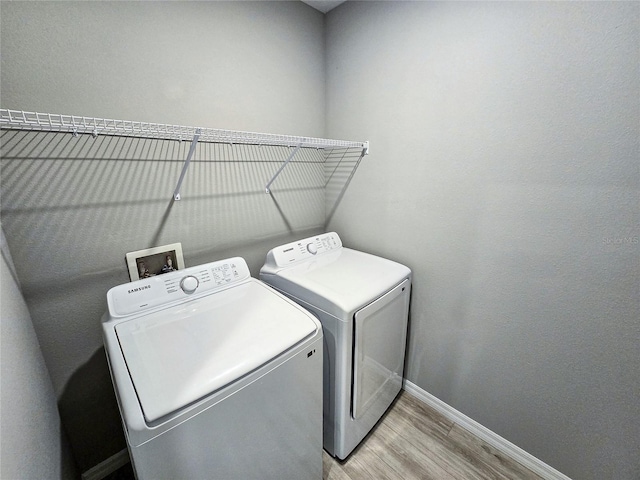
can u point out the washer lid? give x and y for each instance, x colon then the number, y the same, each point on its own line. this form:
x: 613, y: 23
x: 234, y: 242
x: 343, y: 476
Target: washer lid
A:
x: 181, y: 354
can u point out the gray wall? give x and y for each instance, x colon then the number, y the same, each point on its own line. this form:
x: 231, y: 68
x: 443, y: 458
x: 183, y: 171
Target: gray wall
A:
x: 504, y: 171
x: 33, y: 444
x: 256, y: 66
x: 72, y: 207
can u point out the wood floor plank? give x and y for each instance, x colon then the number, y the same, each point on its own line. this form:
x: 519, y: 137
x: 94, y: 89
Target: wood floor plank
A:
x: 422, y: 414
x: 431, y: 438
x: 331, y: 469
x: 405, y: 457
x: 449, y: 457
x: 413, y: 441
x: 364, y: 464
x: 491, y: 457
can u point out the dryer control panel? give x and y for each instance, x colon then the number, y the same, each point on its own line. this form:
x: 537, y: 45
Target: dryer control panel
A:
x: 305, y: 249
x: 152, y: 292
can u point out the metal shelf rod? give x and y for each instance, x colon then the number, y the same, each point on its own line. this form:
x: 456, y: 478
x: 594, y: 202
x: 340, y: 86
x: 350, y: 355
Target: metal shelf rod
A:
x: 194, y: 142
x: 291, y: 155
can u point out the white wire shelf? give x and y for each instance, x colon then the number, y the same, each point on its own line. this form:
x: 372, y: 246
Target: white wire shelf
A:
x: 76, y: 125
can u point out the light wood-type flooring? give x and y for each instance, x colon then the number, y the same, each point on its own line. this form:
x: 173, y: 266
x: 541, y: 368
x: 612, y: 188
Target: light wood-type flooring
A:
x: 413, y: 441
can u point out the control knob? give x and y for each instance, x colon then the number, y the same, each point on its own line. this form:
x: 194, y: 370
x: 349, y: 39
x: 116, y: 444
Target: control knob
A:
x: 312, y: 249
x: 189, y: 284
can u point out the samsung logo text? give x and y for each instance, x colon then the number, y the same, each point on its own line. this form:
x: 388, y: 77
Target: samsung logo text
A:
x: 139, y: 289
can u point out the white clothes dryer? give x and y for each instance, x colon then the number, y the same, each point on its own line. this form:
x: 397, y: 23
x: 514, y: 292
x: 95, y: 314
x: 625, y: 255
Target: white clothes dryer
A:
x: 216, y: 375
x: 362, y: 301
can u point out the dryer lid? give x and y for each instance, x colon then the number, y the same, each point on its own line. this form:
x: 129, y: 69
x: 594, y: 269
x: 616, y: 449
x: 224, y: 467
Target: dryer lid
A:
x: 181, y: 354
x: 339, y: 282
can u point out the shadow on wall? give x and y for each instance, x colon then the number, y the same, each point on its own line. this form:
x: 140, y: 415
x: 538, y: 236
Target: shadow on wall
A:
x: 340, y: 167
x: 90, y: 414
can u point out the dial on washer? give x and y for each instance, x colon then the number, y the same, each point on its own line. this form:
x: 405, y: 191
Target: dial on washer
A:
x: 189, y: 284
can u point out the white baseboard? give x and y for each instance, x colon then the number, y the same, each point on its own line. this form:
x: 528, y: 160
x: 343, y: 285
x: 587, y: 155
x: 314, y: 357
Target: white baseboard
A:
x: 110, y: 465
x: 493, y: 439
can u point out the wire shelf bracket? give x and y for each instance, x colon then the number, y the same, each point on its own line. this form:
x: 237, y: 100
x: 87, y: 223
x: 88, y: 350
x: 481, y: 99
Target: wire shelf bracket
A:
x: 291, y: 155
x: 185, y: 167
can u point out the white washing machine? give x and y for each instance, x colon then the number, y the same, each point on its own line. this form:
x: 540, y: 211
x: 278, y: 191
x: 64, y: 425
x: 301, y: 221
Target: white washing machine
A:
x: 362, y: 302
x: 216, y: 375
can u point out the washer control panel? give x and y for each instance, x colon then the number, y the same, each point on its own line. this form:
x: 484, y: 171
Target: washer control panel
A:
x: 158, y: 290
x: 303, y: 249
